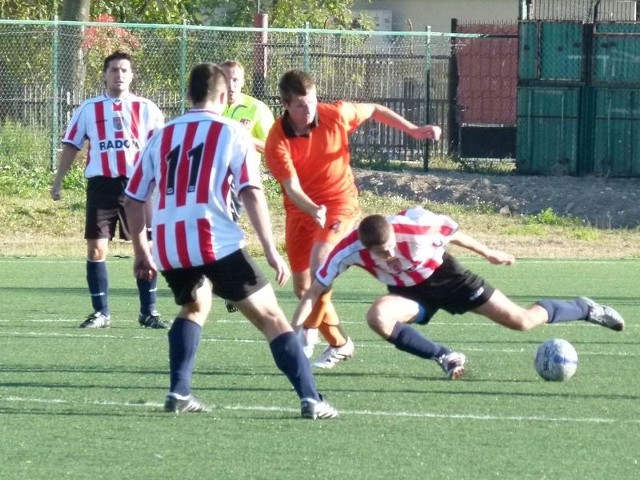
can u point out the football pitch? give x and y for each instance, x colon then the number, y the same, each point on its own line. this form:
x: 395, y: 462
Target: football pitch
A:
x: 83, y: 404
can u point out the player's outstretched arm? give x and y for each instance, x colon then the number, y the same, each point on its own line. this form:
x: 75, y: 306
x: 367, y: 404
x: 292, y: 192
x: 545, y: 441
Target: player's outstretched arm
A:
x: 255, y: 205
x: 387, y: 116
x: 67, y: 157
x: 496, y: 257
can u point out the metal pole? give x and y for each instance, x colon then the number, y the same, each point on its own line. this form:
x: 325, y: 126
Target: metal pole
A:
x: 427, y: 96
x: 183, y: 67
x: 54, y: 97
x: 307, y: 46
x: 260, y: 20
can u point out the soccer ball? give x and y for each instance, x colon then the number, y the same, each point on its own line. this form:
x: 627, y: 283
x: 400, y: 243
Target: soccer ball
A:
x: 556, y: 360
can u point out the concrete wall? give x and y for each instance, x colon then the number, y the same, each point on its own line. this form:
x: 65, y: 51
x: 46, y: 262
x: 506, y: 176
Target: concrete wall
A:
x: 438, y: 13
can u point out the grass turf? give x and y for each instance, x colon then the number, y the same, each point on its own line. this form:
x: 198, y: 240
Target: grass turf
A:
x: 88, y: 404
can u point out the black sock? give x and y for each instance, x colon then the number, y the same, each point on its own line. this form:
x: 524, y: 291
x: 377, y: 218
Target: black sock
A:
x: 184, y: 338
x: 410, y: 340
x: 564, y: 310
x: 98, y: 281
x: 290, y: 359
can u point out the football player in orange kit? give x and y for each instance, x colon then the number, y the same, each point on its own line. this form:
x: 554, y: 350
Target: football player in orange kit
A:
x: 307, y: 152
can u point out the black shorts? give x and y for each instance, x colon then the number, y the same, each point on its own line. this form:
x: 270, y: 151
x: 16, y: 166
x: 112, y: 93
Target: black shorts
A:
x: 451, y: 287
x: 234, y: 277
x: 105, y: 210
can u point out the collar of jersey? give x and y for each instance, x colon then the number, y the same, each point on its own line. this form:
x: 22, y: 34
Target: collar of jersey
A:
x: 290, y: 132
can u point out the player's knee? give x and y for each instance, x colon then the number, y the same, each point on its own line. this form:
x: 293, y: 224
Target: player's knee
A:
x: 522, y: 323
x: 376, y: 321
x: 272, y: 325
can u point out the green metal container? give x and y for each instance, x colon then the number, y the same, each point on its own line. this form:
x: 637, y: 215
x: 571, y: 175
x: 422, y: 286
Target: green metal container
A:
x: 616, y: 58
x: 551, y: 51
x: 616, y: 139
x: 547, y: 131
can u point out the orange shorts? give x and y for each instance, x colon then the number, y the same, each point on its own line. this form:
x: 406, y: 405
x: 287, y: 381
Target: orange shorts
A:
x: 302, y: 232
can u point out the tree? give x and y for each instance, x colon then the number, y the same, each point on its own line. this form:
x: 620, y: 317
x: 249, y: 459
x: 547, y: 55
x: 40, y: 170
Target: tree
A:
x: 144, y: 11
x: 240, y: 13
x: 318, y: 13
x: 72, y: 77
x: 28, y: 9
x: 127, y: 11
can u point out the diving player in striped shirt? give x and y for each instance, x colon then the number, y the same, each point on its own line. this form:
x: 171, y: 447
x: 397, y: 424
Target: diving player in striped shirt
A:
x: 407, y: 253
x: 117, y: 125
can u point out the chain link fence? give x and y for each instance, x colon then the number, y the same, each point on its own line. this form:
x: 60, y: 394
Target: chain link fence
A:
x: 48, y: 68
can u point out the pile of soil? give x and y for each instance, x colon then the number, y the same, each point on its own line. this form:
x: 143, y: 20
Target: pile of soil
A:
x: 599, y: 201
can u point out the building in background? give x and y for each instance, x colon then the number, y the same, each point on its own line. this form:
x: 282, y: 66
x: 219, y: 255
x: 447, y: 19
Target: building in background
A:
x: 417, y: 15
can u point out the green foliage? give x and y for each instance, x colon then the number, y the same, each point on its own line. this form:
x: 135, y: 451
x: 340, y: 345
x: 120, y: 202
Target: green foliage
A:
x: 167, y: 11
x: 272, y: 189
x: 24, y: 157
x: 527, y: 229
x: 127, y: 11
x: 587, y: 234
x: 549, y: 217
x: 335, y: 14
x: 24, y: 163
x: 34, y: 43
x: 29, y: 9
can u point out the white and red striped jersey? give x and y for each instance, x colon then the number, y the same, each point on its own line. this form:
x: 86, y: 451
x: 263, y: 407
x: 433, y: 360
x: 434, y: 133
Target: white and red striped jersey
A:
x: 421, y: 237
x: 117, y: 130
x: 193, y: 162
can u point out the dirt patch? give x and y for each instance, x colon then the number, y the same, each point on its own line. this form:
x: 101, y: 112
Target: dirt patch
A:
x: 602, y: 202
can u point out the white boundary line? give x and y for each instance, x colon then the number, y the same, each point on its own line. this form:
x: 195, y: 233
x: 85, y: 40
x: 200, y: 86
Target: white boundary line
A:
x: 260, y: 342
x: 371, y: 413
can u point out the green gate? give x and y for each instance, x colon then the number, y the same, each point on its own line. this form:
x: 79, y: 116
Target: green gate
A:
x: 579, y: 98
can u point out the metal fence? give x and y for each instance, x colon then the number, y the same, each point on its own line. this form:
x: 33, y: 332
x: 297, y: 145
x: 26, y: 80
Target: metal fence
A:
x: 48, y: 68
x: 583, y: 10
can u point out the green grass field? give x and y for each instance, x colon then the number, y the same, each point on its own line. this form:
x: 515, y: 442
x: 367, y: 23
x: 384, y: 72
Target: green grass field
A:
x: 79, y: 404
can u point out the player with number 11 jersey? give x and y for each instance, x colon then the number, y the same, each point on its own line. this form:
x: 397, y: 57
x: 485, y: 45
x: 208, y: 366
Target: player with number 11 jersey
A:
x: 204, y: 155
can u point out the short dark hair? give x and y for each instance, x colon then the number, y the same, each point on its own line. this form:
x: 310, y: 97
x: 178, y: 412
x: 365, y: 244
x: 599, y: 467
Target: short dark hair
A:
x: 117, y: 55
x: 295, y: 82
x: 205, y: 78
x: 374, y: 230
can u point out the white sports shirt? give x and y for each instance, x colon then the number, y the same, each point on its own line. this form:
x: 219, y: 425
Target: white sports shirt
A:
x: 193, y: 161
x: 117, y: 130
x: 421, y: 238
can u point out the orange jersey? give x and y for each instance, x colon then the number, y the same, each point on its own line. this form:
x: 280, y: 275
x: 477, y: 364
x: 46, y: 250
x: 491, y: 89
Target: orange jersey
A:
x: 320, y: 160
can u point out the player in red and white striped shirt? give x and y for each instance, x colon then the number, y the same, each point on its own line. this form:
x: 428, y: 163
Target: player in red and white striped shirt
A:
x: 195, y: 163
x: 407, y: 252
x: 117, y: 125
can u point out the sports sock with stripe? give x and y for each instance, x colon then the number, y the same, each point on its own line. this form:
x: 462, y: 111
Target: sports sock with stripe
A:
x: 98, y: 282
x: 148, y: 293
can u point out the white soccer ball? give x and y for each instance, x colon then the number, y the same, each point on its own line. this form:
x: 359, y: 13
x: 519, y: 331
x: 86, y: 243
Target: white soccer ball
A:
x: 556, y: 360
